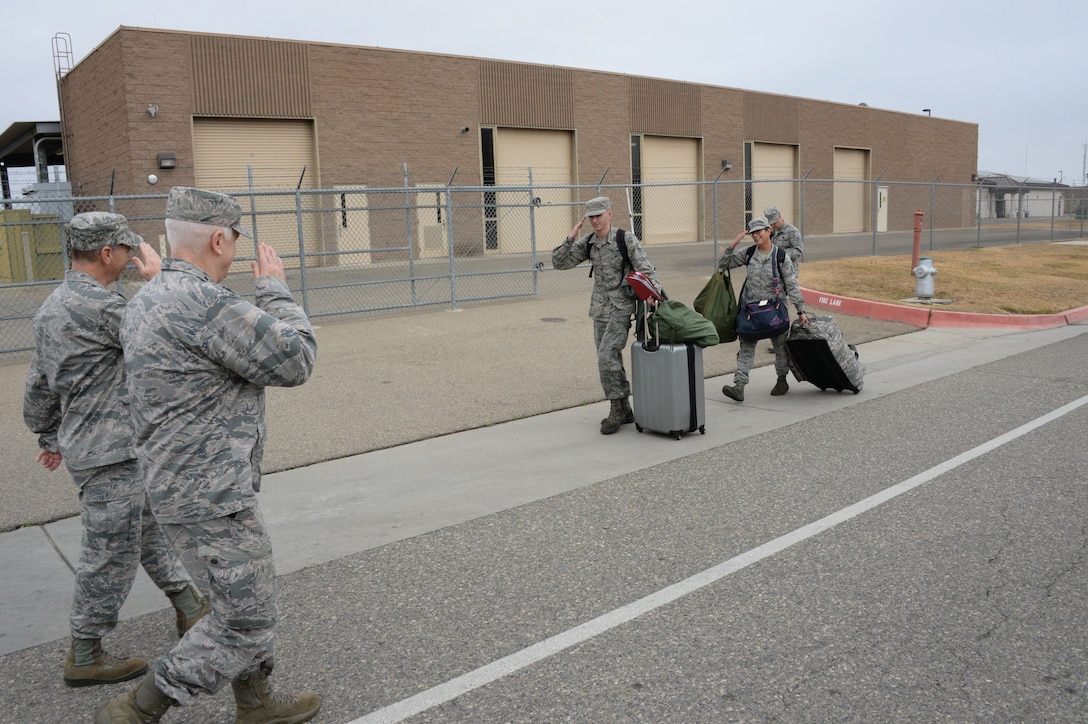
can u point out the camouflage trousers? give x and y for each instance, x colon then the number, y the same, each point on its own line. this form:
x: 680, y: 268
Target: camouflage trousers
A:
x: 236, y: 637
x: 119, y: 535
x: 610, y: 337
x: 746, y: 357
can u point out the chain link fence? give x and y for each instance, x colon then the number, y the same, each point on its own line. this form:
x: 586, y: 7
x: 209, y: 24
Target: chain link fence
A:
x: 363, y: 250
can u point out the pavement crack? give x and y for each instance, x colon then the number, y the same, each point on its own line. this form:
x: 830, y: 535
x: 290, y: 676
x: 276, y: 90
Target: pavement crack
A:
x: 56, y: 547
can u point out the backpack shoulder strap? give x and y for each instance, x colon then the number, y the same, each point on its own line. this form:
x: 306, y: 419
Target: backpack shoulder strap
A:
x: 779, y: 252
x: 621, y: 241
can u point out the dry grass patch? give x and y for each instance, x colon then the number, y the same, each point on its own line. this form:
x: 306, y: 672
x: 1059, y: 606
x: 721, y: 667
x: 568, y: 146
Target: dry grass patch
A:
x: 1024, y: 279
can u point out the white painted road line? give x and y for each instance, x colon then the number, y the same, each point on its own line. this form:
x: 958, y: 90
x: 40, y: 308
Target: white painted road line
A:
x: 509, y: 664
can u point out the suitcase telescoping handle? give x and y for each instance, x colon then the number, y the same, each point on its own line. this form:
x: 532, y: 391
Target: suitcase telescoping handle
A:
x: 642, y: 328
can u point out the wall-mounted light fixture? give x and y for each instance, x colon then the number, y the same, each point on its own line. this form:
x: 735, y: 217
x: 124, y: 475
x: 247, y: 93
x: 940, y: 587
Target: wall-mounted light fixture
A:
x: 167, y: 160
x: 727, y: 164
x: 926, y: 111
x: 152, y: 110
x: 464, y: 129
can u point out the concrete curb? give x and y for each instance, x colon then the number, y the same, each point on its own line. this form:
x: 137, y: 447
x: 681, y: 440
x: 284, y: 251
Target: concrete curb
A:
x: 919, y: 317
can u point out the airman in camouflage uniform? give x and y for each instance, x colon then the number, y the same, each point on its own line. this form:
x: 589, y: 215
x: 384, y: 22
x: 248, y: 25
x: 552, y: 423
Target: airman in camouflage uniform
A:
x: 77, y: 403
x: 199, y: 357
x: 785, y: 235
x: 759, y: 284
x: 609, y: 307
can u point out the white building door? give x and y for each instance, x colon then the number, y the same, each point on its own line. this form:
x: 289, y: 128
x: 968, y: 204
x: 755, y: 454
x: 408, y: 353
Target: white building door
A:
x: 670, y: 214
x: 851, y: 196
x: 550, y: 154
x: 771, y: 163
x: 430, y: 203
x: 353, y: 224
x: 282, y: 155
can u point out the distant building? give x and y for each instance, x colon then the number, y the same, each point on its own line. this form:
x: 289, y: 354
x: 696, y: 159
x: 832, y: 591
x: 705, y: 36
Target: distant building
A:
x: 1009, y: 197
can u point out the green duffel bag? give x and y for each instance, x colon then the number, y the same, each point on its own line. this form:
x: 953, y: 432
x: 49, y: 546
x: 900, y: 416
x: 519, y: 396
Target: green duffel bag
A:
x: 673, y: 322
x: 718, y: 303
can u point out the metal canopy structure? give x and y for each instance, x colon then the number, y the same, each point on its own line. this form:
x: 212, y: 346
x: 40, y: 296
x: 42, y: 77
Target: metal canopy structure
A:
x: 35, y: 144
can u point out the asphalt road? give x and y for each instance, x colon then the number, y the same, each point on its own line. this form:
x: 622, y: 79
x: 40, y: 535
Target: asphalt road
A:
x: 758, y: 580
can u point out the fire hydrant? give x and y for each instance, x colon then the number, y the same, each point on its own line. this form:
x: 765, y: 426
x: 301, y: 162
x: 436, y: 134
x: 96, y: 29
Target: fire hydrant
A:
x: 924, y: 273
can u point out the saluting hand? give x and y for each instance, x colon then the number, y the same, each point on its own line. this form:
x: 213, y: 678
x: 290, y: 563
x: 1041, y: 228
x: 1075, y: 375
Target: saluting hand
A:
x: 268, y: 263
x: 574, y: 232
x: 148, y: 263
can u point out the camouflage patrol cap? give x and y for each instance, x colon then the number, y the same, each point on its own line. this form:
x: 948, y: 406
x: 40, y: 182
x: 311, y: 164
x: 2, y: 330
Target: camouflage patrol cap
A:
x: 205, y: 207
x: 598, y: 205
x: 93, y: 230
x: 758, y: 223
x: 772, y: 214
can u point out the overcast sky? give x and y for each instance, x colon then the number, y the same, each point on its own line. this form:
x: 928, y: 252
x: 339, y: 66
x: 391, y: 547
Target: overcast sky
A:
x: 1017, y: 69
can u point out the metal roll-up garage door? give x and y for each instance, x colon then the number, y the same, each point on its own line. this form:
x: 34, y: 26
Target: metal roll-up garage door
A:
x: 851, y: 199
x: 281, y: 154
x: 774, y: 161
x: 550, y: 154
x: 670, y: 214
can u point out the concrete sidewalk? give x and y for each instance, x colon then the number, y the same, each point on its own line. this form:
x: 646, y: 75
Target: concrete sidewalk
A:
x: 328, y: 510
x: 396, y: 378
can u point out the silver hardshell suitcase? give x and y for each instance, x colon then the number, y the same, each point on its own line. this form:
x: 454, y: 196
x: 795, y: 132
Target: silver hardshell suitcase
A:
x: 667, y: 388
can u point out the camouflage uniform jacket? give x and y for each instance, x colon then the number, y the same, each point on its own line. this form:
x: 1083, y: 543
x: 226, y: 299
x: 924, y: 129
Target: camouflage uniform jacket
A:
x: 608, y: 269
x: 75, y: 397
x: 199, y: 357
x: 789, y: 238
x: 759, y: 279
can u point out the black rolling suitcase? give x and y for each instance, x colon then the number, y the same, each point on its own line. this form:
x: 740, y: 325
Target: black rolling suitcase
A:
x: 819, y: 354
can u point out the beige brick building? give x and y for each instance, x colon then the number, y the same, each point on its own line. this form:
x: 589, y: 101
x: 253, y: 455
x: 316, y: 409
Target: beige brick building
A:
x: 227, y: 112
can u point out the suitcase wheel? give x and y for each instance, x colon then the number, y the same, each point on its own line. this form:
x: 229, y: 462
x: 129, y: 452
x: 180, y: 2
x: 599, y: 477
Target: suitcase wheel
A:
x: 638, y: 427
x: 702, y: 429
x: 677, y: 435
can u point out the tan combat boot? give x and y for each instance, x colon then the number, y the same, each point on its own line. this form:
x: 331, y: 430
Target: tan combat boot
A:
x: 256, y: 703
x: 144, y: 704
x: 189, y: 606
x: 736, y: 392
x: 88, y: 664
x: 615, y: 418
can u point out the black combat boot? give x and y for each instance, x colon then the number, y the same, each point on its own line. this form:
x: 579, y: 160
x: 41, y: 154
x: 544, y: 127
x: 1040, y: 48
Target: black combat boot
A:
x: 781, y: 387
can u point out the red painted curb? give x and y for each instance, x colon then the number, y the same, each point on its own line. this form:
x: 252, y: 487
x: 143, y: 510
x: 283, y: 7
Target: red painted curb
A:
x: 960, y: 320
x: 1076, y: 316
x: 938, y: 317
x: 865, y: 308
